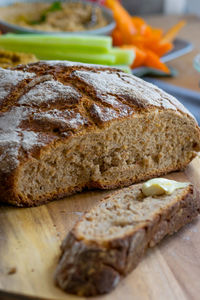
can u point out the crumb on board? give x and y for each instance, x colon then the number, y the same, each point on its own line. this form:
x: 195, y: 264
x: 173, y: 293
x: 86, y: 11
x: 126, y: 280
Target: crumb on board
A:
x: 12, y: 271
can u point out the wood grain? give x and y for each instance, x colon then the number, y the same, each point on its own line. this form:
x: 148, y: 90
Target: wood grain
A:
x: 29, y: 248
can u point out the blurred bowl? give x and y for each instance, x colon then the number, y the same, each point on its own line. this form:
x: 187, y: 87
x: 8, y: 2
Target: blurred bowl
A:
x: 106, y: 30
x: 197, y: 62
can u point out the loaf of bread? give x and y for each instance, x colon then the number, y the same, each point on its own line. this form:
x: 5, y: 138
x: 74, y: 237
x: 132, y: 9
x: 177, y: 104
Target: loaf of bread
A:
x: 109, y: 241
x: 65, y: 127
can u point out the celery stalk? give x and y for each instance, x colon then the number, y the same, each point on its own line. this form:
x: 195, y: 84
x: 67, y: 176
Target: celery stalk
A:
x: 101, y: 44
x: 87, y: 49
x: 96, y: 58
x: 123, y: 56
x: 51, y: 54
x: 124, y: 68
x: 103, y: 59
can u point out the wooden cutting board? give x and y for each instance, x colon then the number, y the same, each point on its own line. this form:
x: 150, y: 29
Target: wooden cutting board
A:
x: 29, y: 248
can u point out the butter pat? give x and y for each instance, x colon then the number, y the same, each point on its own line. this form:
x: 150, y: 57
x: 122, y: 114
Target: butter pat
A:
x: 159, y: 186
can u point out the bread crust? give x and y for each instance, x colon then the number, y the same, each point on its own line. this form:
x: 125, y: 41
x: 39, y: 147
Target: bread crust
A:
x: 88, y: 268
x: 74, y: 100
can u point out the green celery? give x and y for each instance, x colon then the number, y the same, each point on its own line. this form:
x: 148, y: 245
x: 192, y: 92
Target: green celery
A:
x: 46, y: 54
x: 123, y: 56
x: 102, y: 58
x: 101, y: 44
x: 87, y: 49
x: 124, y: 68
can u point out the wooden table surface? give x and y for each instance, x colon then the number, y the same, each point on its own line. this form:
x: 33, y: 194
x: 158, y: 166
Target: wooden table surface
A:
x: 30, y: 238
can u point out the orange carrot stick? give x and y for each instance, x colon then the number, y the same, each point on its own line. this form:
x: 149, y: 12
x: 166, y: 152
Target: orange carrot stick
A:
x: 157, y: 32
x: 161, y: 48
x: 153, y: 61
x: 134, y: 31
x: 142, y: 27
x: 117, y: 37
x: 172, y: 32
x: 138, y: 22
x: 123, y: 20
x: 146, y: 37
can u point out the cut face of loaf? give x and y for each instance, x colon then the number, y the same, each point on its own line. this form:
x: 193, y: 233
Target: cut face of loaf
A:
x: 109, y: 241
x: 66, y: 127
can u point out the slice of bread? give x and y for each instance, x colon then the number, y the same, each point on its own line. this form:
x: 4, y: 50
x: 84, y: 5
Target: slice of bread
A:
x: 109, y: 241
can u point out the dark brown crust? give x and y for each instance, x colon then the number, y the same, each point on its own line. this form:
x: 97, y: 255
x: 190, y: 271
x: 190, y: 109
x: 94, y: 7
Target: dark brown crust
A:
x: 89, y: 269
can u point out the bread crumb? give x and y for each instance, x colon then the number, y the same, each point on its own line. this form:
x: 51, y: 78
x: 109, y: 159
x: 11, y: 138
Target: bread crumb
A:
x: 12, y: 271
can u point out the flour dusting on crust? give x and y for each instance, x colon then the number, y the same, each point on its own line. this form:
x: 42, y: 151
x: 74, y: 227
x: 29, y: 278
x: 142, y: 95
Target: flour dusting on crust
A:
x: 13, y: 137
x: 10, y: 79
x: 69, y: 119
x: 115, y: 85
x: 50, y: 91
